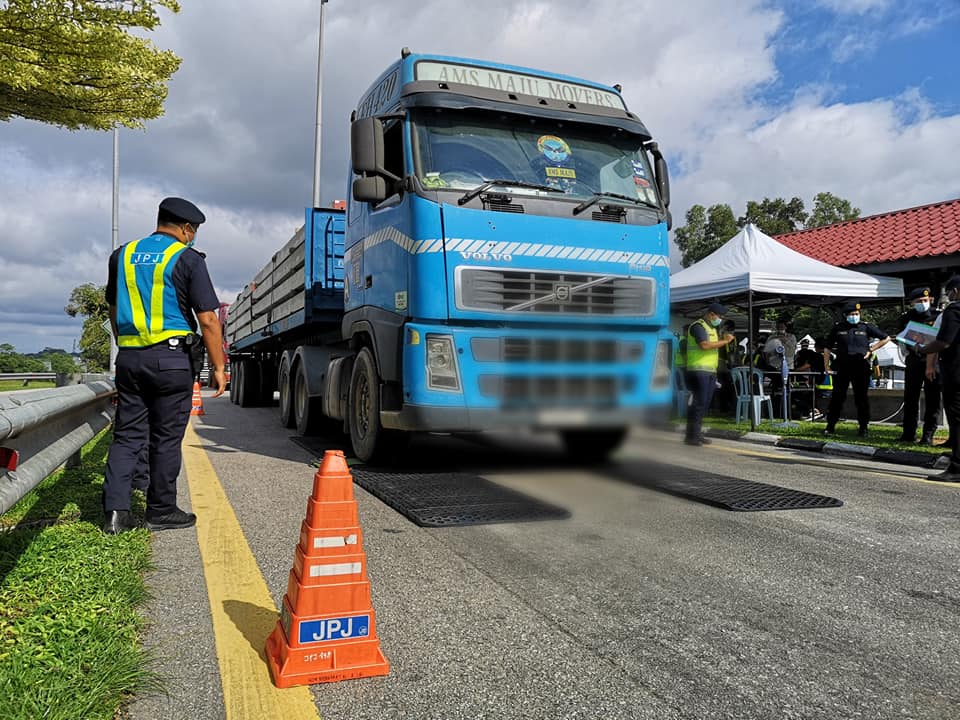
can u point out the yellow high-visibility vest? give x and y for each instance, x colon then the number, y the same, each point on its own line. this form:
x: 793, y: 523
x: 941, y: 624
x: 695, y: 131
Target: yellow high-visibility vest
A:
x: 699, y: 359
x: 147, y: 307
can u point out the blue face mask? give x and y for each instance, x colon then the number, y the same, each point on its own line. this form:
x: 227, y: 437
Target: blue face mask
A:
x: 853, y: 319
x: 921, y: 306
x: 716, y: 322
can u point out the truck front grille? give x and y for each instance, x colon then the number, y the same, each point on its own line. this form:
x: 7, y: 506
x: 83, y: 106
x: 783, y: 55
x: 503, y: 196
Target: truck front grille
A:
x: 553, y: 293
x: 584, y: 391
x: 554, y: 350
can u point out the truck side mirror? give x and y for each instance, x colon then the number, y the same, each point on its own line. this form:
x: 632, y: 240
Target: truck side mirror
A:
x: 366, y: 146
x: 661, y: 173
x: 370, y: 189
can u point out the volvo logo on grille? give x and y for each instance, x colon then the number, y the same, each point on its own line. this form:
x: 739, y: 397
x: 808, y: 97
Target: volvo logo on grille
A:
x: 562, y: 292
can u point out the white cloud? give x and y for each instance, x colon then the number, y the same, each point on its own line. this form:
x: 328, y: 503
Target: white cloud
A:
x: 854, y: 7
x: 238, y: 132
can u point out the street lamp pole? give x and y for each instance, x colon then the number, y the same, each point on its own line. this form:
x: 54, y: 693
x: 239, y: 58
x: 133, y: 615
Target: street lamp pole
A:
x: 116, y: 225
x: 316, y: 141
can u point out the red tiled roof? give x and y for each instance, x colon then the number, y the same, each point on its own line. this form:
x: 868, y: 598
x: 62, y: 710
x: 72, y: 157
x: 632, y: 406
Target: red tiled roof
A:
x: 924, y: 231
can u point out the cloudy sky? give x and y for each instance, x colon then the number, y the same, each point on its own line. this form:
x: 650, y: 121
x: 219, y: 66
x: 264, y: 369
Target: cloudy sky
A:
x: 747, y: 98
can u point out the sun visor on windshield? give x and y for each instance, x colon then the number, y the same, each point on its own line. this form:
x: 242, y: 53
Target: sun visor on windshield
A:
x: 426, y: 94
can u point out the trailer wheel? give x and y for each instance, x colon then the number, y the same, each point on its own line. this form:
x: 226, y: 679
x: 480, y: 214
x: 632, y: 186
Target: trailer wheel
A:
x: 306, y: 410
x: 591, y: 447
x: 369, y: 440
x: 248, y: 394
x: 285, y: 383
x: 234, y: 381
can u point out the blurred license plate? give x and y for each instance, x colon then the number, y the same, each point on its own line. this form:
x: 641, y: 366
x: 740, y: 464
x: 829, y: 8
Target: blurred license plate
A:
x: 561, y: 416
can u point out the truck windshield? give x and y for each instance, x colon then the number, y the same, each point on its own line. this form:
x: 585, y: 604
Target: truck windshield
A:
x: 461, y: 151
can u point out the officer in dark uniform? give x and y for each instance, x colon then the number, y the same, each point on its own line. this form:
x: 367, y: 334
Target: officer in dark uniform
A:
x: 154, y: 288
x: 850, y: 341
x: 948, y: 345
x: 915, y: 374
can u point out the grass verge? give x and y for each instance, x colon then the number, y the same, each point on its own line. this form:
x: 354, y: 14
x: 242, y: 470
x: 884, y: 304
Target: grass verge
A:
x: 6, y: 385
x: 69, y: 626
x: 880, y: 436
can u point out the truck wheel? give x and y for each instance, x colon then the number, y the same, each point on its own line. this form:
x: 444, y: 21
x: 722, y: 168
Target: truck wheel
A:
x: 306, y: 410
x: 591, y: 447
x: 369, y: 440
x: 286, y: 395
x: 248, y: 394
x: 234, y: 381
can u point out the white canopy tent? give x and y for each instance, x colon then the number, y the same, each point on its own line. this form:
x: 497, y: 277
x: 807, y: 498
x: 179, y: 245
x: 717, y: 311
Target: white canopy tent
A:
x: 753, y: 269
x: 752, y: 262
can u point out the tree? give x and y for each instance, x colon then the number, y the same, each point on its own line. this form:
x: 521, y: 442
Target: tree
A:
x: 90, y: 301
x: 13, y: 362
x: 829, y: 209
x: 74, y: 64
x: 704, y: 232
x: 776, y: 216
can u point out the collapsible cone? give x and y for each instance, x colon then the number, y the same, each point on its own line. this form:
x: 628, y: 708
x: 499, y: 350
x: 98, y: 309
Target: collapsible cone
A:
x: 197, y: 408
x: 326, y: 630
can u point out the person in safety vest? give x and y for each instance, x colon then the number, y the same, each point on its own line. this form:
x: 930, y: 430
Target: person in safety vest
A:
x: 702, y: 358
x: 154, y: 288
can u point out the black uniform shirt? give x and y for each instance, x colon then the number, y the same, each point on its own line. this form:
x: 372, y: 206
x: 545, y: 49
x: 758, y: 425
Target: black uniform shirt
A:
x: 853, y: 340
x: 191, y: 280
x: 950, y: 333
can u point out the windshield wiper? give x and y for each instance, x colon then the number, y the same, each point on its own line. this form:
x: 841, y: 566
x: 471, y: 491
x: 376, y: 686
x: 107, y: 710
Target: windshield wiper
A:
x: 471, y: 194
x: 597, y: 197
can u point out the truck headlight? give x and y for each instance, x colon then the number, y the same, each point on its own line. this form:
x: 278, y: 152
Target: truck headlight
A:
x: 662, y: 365
x: 442, y: 370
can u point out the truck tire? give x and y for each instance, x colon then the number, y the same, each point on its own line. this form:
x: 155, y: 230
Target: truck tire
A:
x: 248, y: 394
x: 368, y: 438
x: 235, y: 382
x: 285, y: 383
x: 591, y: 447
x: 267, y: 384
x: 307, y: 412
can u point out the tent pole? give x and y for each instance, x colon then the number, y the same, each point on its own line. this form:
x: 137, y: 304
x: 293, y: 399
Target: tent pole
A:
x: 753, y: 420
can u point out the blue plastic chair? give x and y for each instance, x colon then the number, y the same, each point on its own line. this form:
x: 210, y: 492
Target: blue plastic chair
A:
x: 760, y: 397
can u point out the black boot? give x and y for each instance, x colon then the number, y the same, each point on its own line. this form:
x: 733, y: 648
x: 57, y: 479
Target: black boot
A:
x: 119, y: 521
x: 173, y: 520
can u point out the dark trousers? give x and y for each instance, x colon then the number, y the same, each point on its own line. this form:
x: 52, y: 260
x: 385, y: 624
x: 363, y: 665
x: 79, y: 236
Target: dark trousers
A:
x: 915, y: 380
x: 951, y: 406
x: 154, y: 390
x: 853, y: 370
x: 701, y: 386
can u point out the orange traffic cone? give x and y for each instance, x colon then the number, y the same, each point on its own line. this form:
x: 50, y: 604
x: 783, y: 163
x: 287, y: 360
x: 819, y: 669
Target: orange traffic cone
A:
x: 326, y: 630
x: 197, y: 408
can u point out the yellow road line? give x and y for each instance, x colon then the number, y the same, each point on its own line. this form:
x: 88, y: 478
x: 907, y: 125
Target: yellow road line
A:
x: 242, y: 608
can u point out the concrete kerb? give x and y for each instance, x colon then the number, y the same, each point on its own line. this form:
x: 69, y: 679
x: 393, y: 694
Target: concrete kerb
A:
x: 832, y: 447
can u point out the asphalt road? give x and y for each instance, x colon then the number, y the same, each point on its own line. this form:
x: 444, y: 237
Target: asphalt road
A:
x: 640, y: 605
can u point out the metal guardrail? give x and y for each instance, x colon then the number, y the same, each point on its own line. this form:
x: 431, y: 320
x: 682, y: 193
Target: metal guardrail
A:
x: 45, y: 428
x: 28, y: 376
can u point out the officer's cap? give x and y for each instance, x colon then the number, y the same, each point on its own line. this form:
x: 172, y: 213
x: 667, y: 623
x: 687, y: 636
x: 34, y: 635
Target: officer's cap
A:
x: 953, y: 283
x: 919, y: 293
x: 183, y: 210
x: 717, y: 308
x: 851, y: 307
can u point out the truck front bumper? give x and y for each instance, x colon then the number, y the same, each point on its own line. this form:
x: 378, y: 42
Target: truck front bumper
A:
x: 426, y: 418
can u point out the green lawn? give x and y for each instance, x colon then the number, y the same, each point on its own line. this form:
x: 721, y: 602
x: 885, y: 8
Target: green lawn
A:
x: 69, y: 598
x: 882, y: 436
x: 6, y: 385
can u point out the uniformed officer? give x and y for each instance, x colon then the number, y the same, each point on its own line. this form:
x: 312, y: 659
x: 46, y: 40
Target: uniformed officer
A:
x: 702, y: 359
x: 154, y: 288
x: 850, y: 341
x: 947, y: 345
x: 915, y: 374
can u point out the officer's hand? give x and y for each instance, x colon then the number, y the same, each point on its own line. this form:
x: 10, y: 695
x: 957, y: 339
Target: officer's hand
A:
x: 221, y: 377
x: 931, y: 374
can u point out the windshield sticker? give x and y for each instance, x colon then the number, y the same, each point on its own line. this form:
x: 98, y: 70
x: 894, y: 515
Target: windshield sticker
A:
x: 561, y: 172
x: 553, y: 148
x: 638, y: 169
x: 640, y: 182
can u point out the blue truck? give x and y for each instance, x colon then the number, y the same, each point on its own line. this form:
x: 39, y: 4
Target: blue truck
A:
x: 501, y: 262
